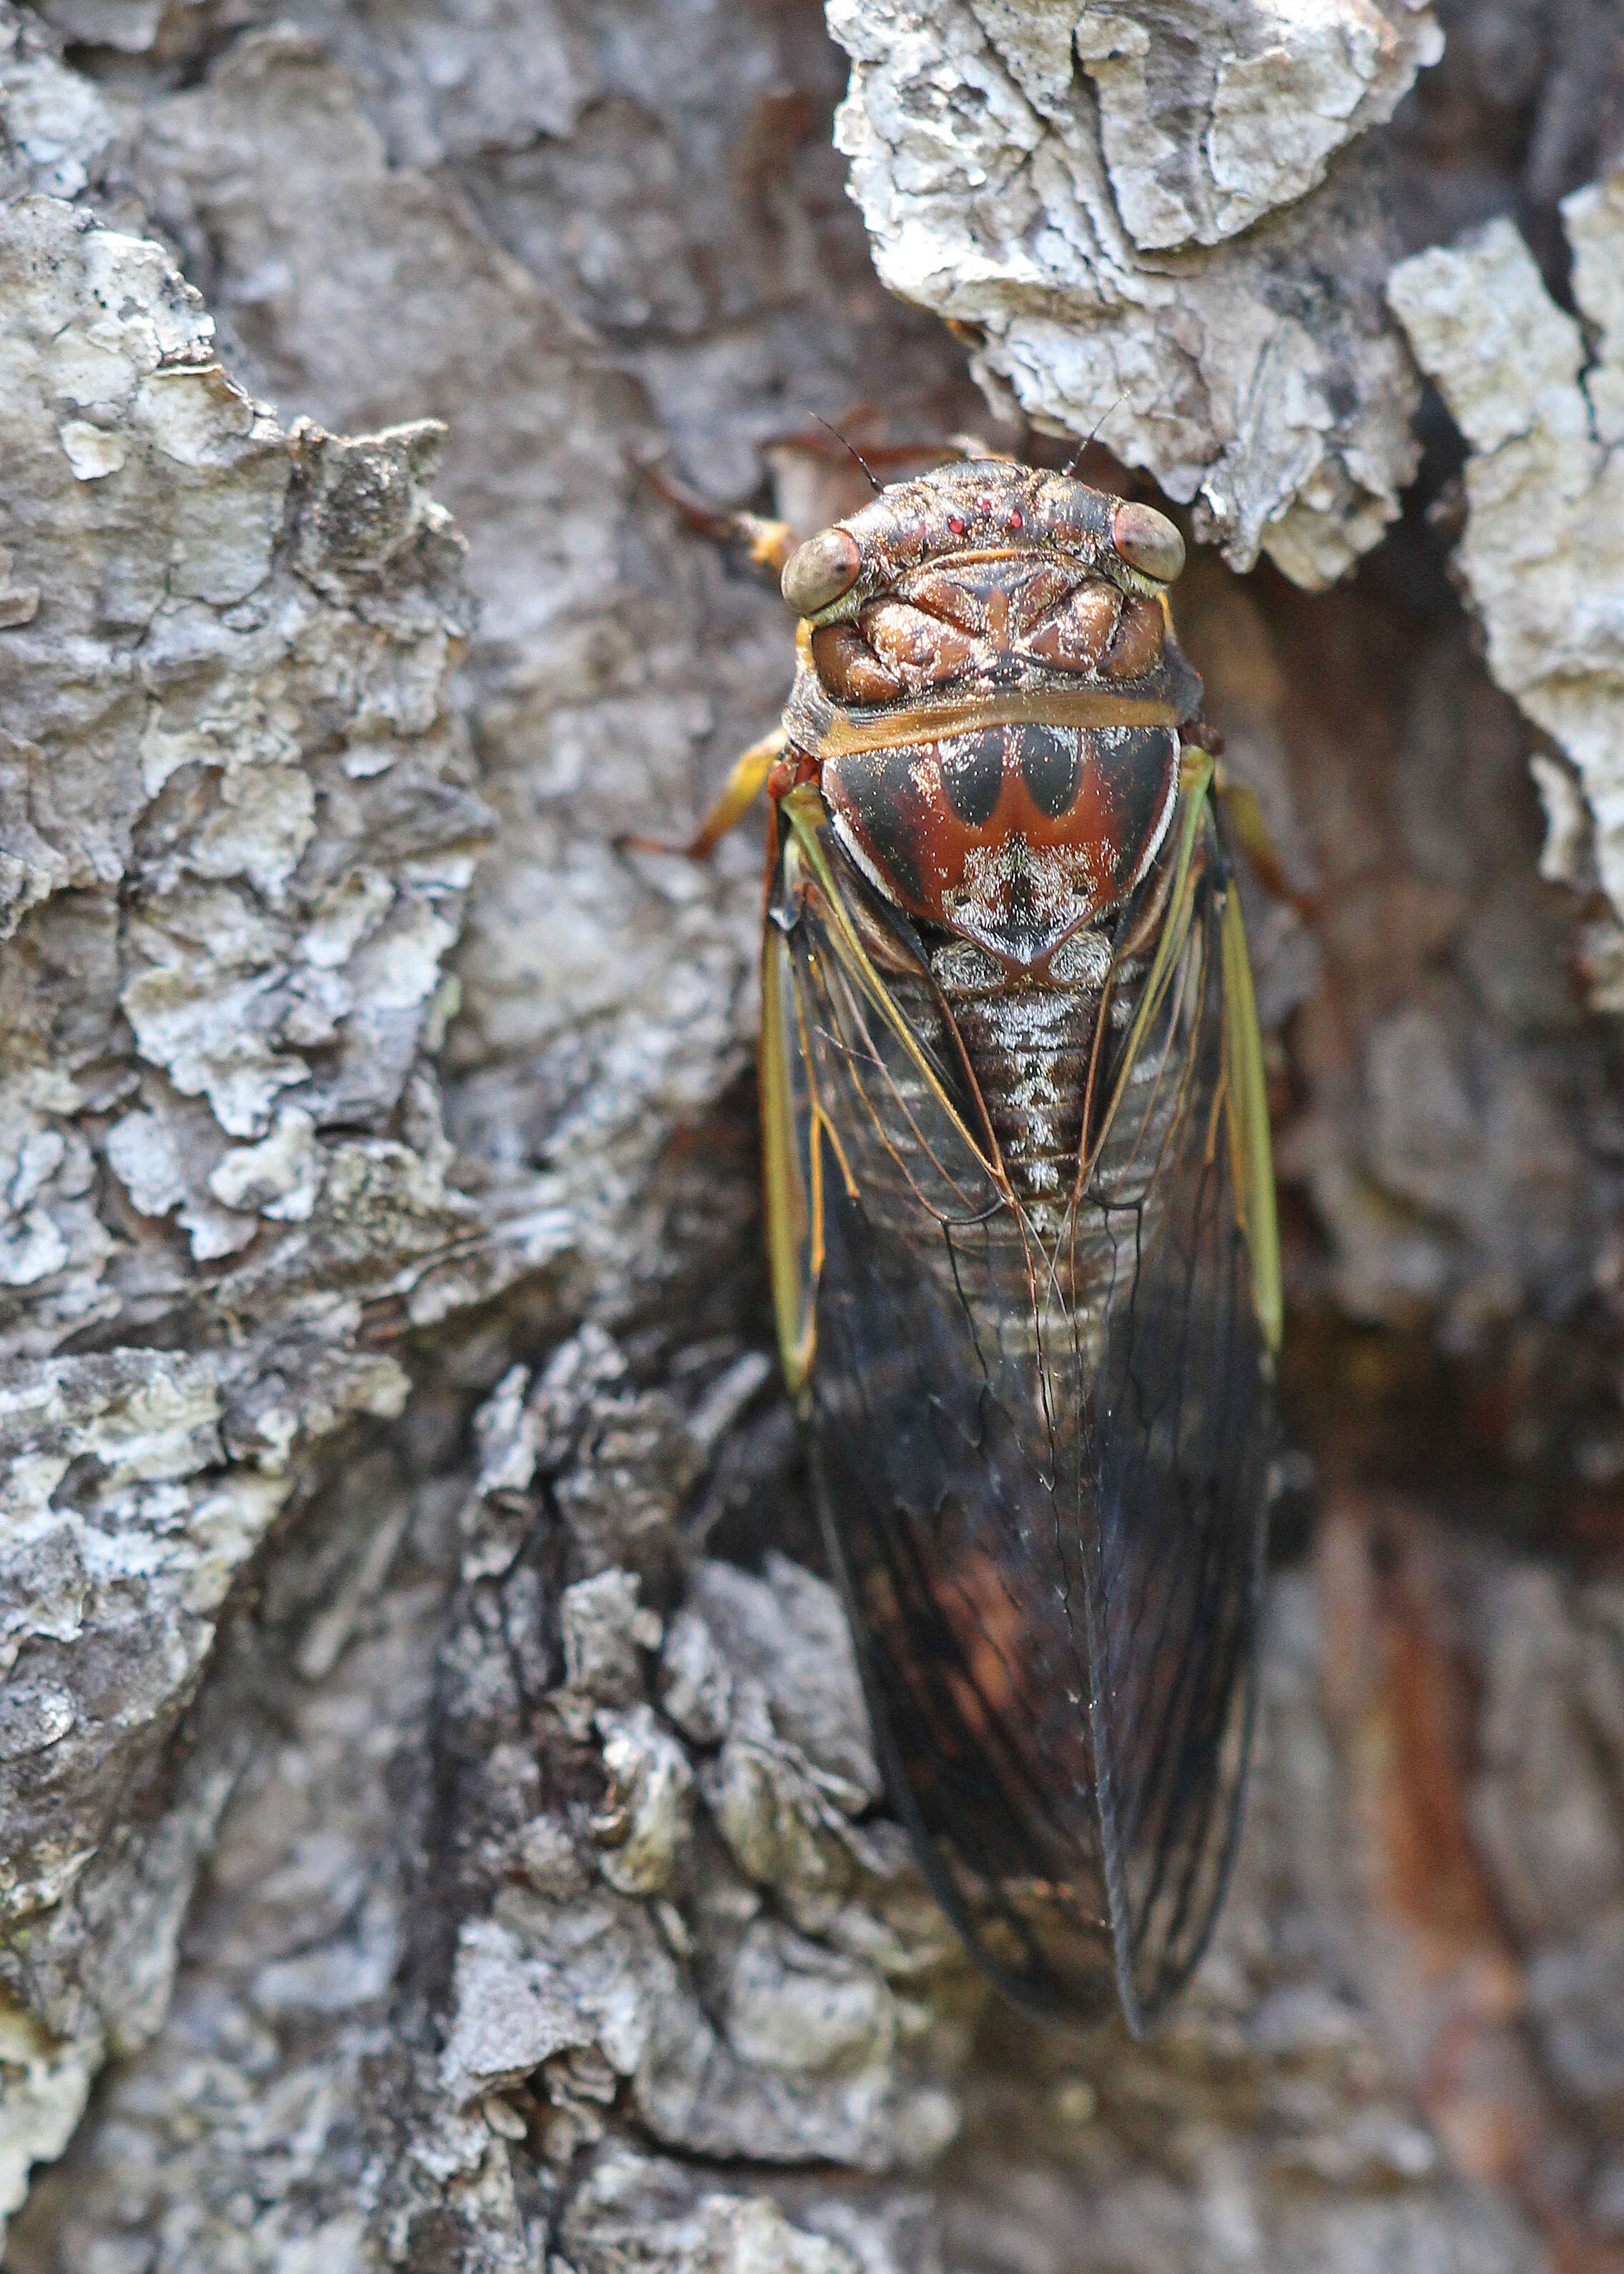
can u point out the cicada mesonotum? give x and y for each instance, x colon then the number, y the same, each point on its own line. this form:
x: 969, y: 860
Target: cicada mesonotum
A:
x: 1021, y: 1208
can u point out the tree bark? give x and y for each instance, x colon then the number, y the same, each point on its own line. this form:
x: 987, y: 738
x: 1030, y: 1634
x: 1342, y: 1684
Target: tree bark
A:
x: 439, y: 1826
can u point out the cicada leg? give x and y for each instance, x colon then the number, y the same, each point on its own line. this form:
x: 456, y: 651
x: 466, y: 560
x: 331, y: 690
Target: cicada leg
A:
x: 742, y: 787
x: 769, y: 543
x: 1244, y: 822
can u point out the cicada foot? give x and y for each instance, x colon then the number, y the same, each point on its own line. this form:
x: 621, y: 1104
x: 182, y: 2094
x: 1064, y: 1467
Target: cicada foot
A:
x: 742, y: 787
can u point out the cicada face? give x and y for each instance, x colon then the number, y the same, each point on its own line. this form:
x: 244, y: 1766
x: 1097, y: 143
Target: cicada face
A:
x: 1021, y: 1213
x: 992, y: 690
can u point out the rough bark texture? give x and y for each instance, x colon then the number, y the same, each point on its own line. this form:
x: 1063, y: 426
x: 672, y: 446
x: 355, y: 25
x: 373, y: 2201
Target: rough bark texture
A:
x: 439, y: 1827
x: 1131, y: 207
x: 1543, y: 551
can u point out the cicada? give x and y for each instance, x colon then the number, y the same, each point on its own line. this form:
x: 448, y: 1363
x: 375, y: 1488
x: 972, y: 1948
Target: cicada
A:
x: 1021, y: 1208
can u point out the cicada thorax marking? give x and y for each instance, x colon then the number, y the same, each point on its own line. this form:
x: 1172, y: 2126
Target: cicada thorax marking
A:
x: 1016, y: 835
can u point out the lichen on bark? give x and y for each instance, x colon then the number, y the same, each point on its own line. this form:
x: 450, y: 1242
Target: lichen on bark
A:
x: 230, y: 629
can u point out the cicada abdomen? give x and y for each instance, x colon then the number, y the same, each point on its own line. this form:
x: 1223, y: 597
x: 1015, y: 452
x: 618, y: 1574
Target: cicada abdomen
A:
x: 1021, y: 1211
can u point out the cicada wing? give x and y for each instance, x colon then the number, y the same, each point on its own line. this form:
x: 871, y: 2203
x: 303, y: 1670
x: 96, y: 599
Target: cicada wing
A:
x: 1181, y: 1433
x: 787, y: 1162
x: 946, y: 1447
x: 1041, y: 1476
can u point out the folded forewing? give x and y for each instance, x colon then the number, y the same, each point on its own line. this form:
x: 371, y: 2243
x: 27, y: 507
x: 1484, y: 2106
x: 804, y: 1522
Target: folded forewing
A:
x: 971, y: 1402
x: 1180, y: 1441
x: 942, y: 1474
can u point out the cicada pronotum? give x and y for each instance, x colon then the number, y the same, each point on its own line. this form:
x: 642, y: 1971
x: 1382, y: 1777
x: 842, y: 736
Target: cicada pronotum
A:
x: 1021, y: 1208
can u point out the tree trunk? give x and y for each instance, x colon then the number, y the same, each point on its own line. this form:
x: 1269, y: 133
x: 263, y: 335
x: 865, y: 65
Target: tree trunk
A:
x: 439, y: 1824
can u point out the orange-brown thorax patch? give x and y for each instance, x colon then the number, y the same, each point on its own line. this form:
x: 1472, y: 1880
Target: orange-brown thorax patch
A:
x: 1013, y: 835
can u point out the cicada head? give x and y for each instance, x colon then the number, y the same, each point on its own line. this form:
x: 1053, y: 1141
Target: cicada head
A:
x: 991, y: 688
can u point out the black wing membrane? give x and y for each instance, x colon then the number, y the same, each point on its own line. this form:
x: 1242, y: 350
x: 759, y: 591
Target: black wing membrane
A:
x: 1041, y: 1470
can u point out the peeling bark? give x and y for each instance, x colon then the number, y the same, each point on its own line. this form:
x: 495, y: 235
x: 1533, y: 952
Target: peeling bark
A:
x: 440, y: 1826
x: 1543, y: 551
x: 1132, y: 208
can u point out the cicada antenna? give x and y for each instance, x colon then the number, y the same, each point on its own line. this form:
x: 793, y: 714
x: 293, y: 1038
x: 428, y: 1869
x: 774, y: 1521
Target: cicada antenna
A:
x: 1074, y: 461
x: 875, y: 483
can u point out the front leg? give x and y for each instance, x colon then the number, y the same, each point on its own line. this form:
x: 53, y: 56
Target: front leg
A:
x: 769, y: 543
x: 740, y: 792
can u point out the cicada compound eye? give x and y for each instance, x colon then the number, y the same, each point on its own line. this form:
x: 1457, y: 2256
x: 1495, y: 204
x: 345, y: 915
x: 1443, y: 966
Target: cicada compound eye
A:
x: 818, y: 572
x: 1147, y: 541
